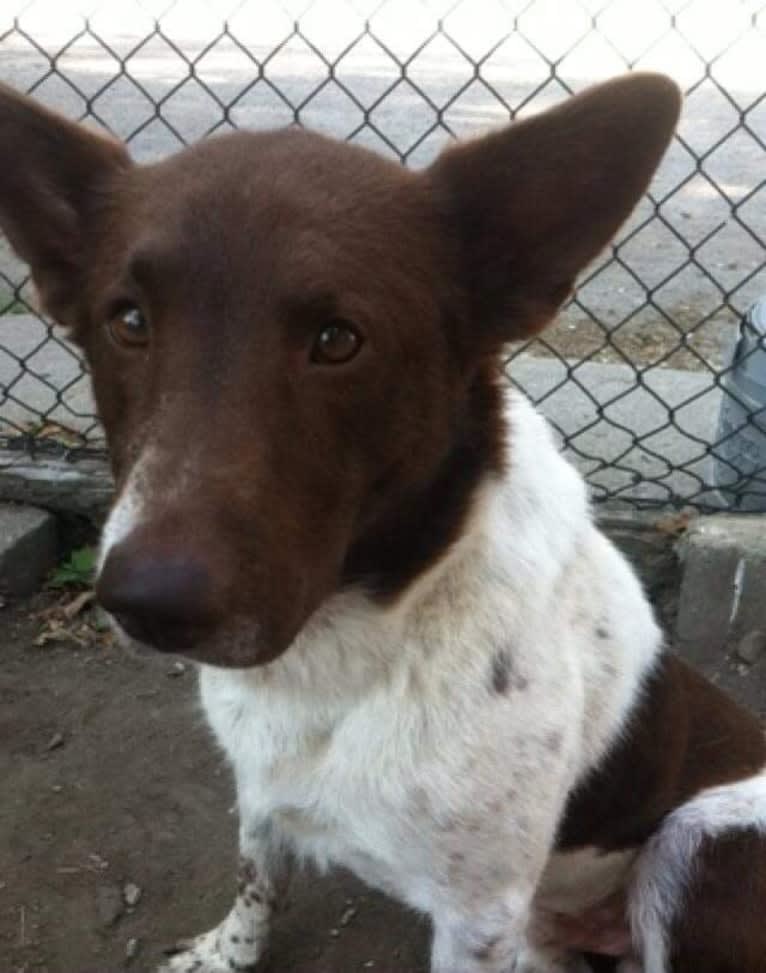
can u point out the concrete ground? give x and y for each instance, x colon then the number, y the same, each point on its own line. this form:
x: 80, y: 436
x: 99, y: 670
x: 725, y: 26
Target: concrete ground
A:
x: 620, y: 429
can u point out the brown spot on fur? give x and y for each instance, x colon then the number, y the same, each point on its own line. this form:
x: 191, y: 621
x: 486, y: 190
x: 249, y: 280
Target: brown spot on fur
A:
x: 420, y: 799
x: 501, y: 670
x: 247, y: 873
x: 683, y: 735
x: 504, y: 676
x: 553, y: 741
x: 484, y: 952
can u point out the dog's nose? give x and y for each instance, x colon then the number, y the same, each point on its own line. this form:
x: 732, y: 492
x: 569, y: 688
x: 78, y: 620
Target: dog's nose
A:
x: 160, y: 598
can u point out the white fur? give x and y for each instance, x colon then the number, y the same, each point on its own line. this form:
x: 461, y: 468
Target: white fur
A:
x: 585, y: 877
x: 666, y: 865
x: 377, y: 742
x: 129, y: 509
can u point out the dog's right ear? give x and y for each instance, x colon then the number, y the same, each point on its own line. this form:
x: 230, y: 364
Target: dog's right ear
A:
x: 52, y: 178
x: 534, y: 203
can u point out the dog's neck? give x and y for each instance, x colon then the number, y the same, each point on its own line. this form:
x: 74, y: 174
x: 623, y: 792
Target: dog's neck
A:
x: 520, y: 528
x: 416, y: 532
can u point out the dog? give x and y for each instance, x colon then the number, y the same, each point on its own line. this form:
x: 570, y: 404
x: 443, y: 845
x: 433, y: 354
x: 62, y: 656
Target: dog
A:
x: 422, y: 659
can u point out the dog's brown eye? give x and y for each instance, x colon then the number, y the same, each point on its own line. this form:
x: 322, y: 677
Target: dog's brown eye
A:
x: 335, y: 344
x: 129, y: 327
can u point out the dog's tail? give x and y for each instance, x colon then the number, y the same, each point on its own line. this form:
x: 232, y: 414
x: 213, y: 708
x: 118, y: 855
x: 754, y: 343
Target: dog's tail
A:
x: 668, y: 865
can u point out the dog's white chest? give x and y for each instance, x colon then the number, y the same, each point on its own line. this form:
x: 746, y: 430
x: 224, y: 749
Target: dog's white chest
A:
x: 325, y: 787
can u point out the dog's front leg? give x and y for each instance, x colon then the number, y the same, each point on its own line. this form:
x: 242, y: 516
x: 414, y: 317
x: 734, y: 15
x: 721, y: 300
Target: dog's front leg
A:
x: 236, y: 945
x: 486, y: 940
x: 493, y: 941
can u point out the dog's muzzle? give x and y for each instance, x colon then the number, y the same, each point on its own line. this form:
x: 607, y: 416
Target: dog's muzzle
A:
x: 160, y: 598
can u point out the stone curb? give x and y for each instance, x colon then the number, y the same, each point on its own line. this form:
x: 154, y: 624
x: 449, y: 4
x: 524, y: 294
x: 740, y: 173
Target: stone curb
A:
x: 82, y: 487
x: 28, y: 548
x: 722, y: 605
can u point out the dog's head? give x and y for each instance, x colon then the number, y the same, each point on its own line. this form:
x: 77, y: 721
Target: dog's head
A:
x: 294, y: 342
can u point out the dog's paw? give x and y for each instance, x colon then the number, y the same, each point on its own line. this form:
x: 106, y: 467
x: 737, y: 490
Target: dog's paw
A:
x: 213, y: 952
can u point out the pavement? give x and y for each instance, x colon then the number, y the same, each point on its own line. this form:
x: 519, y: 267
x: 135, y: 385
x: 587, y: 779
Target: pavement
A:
x: 619, y: 424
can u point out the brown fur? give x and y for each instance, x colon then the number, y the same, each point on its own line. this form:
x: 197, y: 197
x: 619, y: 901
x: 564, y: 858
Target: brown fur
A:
x: 684, y: 735
x: 721, y: 928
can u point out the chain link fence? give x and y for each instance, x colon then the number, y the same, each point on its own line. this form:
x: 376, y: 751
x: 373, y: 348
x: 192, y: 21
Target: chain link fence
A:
x: 633, y: 373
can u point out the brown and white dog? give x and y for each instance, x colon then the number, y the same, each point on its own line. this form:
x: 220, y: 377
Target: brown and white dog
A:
x: 422, y: 659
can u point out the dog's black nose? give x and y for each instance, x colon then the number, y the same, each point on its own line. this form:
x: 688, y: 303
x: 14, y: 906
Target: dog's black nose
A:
x: 160, y: 598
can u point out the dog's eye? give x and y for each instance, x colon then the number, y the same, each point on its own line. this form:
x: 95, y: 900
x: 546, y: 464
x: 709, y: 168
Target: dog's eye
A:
x: 129, y: 326
x: 336, y: 343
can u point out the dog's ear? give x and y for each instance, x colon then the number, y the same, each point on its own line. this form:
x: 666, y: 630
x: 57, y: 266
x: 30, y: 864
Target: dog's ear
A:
x: 52, y: 174
x: 533, y: 203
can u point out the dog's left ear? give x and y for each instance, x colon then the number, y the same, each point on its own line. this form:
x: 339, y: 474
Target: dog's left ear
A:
x: 53, y: 179
x: 536, y: 202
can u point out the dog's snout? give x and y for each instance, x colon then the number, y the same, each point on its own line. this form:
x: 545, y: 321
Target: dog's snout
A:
x: 161, y: 598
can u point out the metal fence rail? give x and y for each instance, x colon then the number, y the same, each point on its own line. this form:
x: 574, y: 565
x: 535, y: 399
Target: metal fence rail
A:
x: 633, y: 373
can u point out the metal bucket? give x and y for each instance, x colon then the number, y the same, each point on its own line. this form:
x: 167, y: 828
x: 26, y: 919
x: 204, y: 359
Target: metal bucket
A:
x: 738, y: 464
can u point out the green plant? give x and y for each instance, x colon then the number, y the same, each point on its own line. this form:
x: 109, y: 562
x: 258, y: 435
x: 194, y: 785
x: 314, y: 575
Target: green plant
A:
x: 76, y: 571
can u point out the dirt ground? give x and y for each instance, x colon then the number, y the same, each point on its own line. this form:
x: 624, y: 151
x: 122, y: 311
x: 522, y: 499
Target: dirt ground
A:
x: 109, y: 780
x: 679, y: 342
x: 113, y: 794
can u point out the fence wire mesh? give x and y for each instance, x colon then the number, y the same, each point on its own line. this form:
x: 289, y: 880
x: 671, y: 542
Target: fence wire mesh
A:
x: 634, y: 372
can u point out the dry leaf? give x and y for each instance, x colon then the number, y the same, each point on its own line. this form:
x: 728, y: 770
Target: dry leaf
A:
x: 76, y: 605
